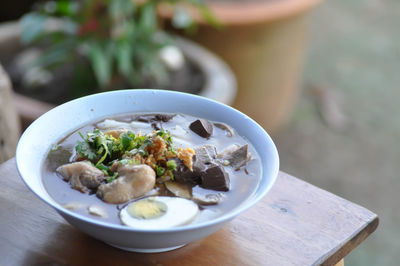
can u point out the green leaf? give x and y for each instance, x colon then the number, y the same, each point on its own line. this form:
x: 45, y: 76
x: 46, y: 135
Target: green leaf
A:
x: 148, y: 18
x: 58, y: 53
x: 124, y: 58
x: 126, y: 141
x: 210, y: 17
x: 118, y: 8
x: 100, y: 58
x: 86, y: 150
x: 33, y: 25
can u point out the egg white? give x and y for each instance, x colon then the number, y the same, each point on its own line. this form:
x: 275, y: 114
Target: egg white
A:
x: 180, y: 211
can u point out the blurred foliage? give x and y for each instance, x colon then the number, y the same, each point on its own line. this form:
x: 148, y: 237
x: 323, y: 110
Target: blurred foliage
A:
x: 119, y: 38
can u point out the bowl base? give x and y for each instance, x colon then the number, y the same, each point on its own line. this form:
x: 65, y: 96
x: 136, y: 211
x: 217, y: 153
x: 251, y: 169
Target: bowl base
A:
x: 146, y: 250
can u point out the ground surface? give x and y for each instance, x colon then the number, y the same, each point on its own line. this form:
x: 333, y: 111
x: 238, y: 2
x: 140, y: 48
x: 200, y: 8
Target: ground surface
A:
x: 354, y: 53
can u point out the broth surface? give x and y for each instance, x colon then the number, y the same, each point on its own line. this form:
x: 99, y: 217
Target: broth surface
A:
x: 243, y: 182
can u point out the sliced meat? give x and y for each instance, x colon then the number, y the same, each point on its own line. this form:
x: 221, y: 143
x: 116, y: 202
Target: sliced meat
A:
x: 133, y: 181
x: 206, y: 154
x: 154, y: 118
x: 81, y: 175
x: 215, y: 178
x: 202, y: 127
x: 237, y: 156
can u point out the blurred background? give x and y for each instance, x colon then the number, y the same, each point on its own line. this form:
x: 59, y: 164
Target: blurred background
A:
x: 321, y: 78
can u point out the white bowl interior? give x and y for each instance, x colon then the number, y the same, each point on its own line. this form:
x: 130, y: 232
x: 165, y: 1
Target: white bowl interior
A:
x: 54, y: 125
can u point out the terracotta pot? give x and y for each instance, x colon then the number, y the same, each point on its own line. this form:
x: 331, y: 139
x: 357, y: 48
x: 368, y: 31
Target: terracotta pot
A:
x: 220, y: 83
x: 264, y: 43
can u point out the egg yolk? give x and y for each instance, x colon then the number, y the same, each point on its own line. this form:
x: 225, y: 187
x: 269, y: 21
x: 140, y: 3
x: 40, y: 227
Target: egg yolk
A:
x: 146, y: 209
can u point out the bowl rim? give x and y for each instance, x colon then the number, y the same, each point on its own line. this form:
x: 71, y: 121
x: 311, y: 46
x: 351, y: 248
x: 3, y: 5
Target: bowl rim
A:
x: 249, y: 202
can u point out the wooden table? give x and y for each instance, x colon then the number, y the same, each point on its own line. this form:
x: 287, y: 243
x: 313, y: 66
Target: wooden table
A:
x: 295, y: 224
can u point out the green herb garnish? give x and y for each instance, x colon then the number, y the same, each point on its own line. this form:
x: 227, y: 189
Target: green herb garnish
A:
x: 171, y: 165
x: 160, y: 171
x: 112, y: 178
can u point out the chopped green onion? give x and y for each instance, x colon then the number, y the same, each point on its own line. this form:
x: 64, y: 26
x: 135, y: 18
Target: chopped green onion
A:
x: 171, y: 165
x: 112, y: 178
x: 160, y: 170
x: 125, y: 161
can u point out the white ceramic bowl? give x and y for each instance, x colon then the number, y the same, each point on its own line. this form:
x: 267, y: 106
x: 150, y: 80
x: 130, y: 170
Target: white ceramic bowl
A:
x: 58, y: 122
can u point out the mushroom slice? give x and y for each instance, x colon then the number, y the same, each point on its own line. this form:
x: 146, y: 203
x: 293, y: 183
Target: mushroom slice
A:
x: 228, y: 130
x: 179, y: 189
x: 81, y: 175
x: 134, y: 181
x: 209, y: 199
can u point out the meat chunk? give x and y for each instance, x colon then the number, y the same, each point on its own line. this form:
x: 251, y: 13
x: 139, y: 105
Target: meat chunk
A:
x: 183, y: 174
x: 206, y: 171
x: 202, y: 127
x: 133, y: 181
x: 81, y: 175
x: 206, y: 154
x: 215, y: 178
x: 237, y: 156
x: 154, y: 118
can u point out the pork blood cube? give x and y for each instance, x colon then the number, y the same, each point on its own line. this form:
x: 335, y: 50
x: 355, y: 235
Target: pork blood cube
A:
x: 215, y: 178
x: 202, y: 127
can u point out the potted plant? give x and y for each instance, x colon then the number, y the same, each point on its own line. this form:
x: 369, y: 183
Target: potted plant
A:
x: 263, y: 42
x: 82, y: 47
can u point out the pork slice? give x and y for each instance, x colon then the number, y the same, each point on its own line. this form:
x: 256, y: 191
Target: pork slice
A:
x: 206, y: 154
x: 237, y: 156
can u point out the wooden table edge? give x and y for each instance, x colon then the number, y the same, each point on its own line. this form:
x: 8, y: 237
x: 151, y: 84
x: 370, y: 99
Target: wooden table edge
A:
x: 336, y: 255
x: 354, y: 242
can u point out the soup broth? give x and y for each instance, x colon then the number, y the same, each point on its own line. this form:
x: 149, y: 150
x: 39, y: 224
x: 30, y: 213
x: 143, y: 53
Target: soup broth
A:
x: 243, y: 180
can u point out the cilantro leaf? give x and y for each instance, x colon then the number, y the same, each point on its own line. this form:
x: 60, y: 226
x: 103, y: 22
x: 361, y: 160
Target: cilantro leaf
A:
x: 86, y: 150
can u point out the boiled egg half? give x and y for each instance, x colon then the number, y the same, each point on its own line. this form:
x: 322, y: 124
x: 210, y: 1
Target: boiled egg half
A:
x: 159, y: 212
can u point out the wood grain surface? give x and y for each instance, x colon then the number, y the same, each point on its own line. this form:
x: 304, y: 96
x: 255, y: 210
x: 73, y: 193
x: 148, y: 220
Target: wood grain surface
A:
x: 295, y: 224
